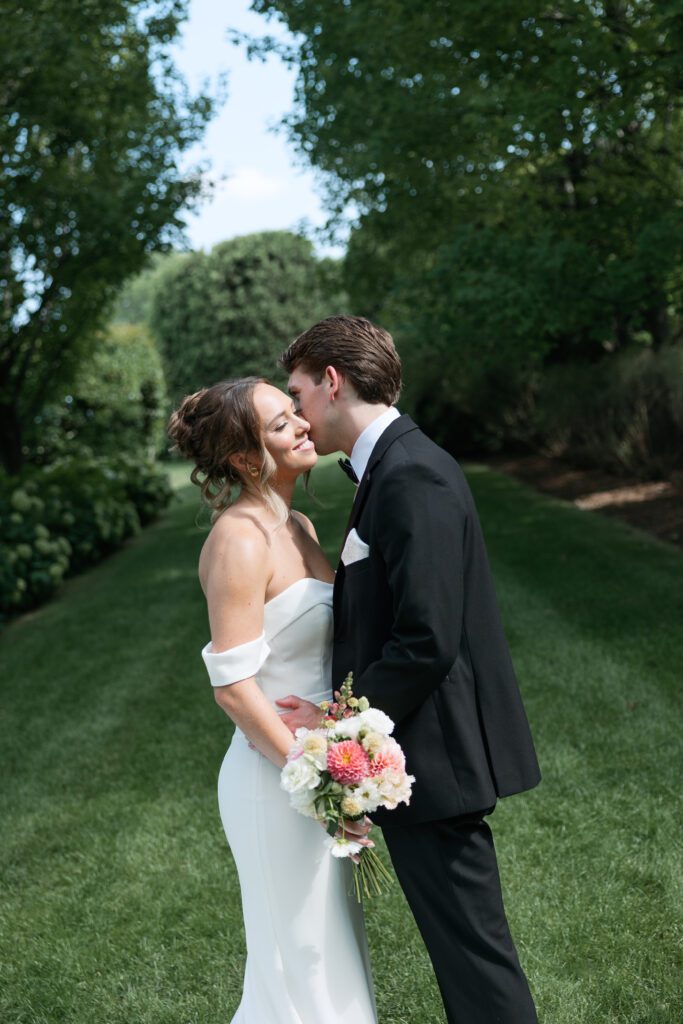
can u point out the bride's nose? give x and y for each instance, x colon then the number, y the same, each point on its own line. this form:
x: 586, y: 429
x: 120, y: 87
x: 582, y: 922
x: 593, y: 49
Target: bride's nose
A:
x: 304, y: 426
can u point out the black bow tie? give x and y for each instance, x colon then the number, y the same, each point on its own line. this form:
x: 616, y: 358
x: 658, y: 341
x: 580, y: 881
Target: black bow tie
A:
x: 348, y: 469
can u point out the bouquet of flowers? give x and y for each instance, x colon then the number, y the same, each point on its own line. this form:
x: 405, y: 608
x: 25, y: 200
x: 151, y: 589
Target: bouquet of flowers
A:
x: 343, y: 770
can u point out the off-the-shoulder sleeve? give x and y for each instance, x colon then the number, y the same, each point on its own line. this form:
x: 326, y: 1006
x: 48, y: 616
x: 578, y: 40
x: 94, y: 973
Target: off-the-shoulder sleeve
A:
x: 237, y: 663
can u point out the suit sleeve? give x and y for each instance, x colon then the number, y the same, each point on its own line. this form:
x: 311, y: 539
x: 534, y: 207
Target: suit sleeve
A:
x: 420, y: 530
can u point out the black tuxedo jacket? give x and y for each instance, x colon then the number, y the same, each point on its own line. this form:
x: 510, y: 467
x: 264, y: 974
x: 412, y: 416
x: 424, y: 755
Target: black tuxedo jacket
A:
x: 418, y: 624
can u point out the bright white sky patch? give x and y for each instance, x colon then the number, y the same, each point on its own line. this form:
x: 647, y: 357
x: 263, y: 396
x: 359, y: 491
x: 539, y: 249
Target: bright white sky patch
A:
x: 250, y: 184
x: 261, y: 184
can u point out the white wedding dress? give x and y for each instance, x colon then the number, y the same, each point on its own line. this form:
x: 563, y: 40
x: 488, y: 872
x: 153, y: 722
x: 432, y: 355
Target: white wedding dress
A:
x: 307, y: 955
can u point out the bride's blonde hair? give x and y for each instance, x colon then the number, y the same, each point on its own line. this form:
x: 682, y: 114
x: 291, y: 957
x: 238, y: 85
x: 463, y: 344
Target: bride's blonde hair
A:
x: 215, y: 423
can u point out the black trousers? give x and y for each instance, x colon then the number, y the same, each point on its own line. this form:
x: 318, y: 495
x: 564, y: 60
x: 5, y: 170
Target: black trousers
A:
x: 449, y: 874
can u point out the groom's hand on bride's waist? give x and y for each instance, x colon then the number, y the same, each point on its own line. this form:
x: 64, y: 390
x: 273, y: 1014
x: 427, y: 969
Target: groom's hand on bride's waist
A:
x: 301, y: 713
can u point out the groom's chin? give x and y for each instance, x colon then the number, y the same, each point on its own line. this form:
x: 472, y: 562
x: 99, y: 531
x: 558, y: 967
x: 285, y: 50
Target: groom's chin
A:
x: 320, y: 447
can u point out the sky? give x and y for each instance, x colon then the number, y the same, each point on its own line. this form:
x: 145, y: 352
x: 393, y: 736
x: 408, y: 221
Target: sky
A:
x: 262, y: 184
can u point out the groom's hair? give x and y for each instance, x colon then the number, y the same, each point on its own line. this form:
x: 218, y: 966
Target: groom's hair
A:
x: 362, y: 351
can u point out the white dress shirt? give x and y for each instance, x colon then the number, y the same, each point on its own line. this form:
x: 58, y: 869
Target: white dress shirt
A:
x: 362, y: 449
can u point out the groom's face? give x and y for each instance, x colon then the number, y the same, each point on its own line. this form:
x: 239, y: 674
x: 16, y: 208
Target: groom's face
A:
x: 313, y: 401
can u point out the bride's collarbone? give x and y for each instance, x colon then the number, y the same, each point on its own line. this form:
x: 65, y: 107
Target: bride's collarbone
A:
x: 296, y: 556
x: 290, y: 563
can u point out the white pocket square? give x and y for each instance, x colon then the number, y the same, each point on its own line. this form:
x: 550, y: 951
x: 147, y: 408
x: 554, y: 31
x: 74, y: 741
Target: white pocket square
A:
x: 354, y: 549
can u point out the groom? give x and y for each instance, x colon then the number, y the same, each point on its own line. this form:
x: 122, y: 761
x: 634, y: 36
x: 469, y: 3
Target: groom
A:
x: 416, y: 620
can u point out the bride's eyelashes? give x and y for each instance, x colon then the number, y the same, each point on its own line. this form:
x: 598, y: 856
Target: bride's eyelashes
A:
x: 296, y: 411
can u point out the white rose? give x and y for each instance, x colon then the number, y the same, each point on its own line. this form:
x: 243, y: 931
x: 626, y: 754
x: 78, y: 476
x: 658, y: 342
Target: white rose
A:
x: 303, y: 801
x: 347, y: 728
x: 376, y: 721
x: 368, y: 795
x: 298, y: 775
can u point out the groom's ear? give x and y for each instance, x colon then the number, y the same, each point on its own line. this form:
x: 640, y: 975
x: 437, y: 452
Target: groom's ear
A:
x: 333, y: 381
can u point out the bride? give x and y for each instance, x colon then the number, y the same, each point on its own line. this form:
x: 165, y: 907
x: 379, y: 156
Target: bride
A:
x: 268, y: 588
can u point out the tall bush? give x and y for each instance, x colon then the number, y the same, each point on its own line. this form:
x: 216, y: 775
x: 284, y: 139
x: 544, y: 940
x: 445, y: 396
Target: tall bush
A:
x: 232, y: 311
x: 117, y: 402
x: 624, y: 414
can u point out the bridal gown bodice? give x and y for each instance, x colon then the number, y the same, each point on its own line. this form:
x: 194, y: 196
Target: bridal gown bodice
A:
x: 307, y: 958
x: 297, y: 642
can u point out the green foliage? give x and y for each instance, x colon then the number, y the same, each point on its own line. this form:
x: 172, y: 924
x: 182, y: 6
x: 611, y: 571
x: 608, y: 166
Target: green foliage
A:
x: 623, y: 414
x: 116, y: 403
x: 59, y: 519
x: 516, y: 175
x: 231, y: 312
x: 96, y: 118
x: 135, y: 300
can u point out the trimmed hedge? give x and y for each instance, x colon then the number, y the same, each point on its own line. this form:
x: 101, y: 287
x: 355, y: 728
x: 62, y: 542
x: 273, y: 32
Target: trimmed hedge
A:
x: 58, y: 519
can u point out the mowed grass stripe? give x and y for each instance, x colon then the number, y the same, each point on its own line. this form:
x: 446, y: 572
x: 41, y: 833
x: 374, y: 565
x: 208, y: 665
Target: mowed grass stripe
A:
x: 120, y: 900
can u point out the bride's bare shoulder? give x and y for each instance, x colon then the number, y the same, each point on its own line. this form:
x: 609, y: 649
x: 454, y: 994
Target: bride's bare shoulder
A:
x: 238, y: 539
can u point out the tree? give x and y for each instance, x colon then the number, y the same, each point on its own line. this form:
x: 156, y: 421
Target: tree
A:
x: 231, y: 312
x: 551, y: 126
x: 95, y: 119
x: 117, y: 401
x: 133, y: 304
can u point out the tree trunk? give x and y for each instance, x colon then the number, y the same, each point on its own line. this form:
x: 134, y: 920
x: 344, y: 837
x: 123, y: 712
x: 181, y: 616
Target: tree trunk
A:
x: 657, y: 321
x: 11, y: 454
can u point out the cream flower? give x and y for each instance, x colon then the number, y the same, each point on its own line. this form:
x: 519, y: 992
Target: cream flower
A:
x: 373, y: 742
x: 351, y: 807
x: 395, y: 787
x: 315, y: 746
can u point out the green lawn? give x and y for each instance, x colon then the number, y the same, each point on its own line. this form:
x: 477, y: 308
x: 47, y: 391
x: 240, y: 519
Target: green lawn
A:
x: 119, y: 902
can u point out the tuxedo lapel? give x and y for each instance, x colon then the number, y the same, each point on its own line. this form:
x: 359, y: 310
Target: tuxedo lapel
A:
x: 396, y: 429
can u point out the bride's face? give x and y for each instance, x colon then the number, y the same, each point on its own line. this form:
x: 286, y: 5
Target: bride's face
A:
x: 284, y: 431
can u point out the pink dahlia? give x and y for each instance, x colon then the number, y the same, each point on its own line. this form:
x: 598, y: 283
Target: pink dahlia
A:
x: 389, y: 756
x: 347, y: 762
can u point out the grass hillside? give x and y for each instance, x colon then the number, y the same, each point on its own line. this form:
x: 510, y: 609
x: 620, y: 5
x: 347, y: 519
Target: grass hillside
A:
x: 119, y: 901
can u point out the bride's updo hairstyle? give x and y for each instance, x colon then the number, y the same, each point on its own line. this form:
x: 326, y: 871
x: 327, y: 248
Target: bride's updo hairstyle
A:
x: 215, y: 423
